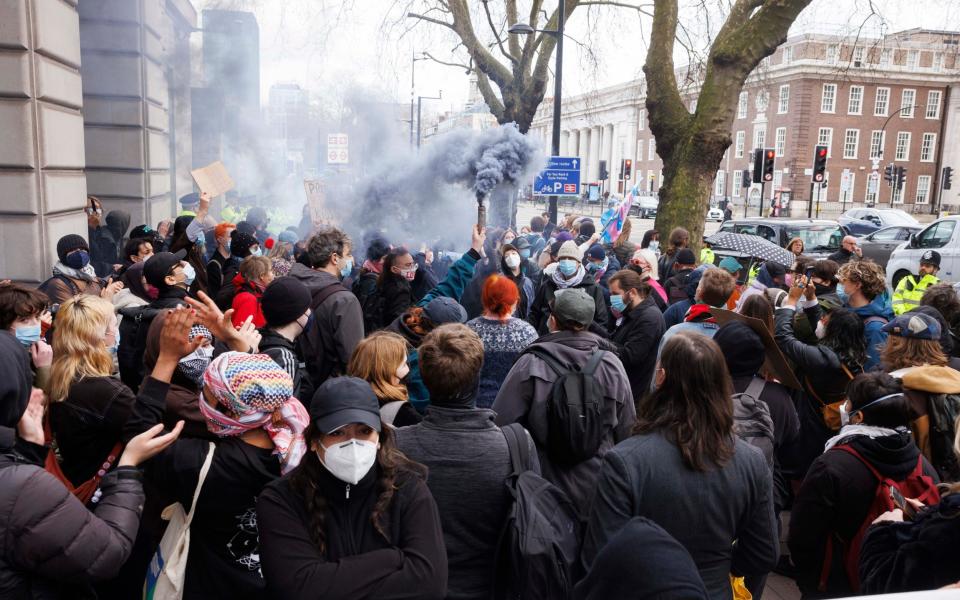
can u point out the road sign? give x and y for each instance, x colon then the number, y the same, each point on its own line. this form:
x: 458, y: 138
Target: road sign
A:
x: 873, y: 183
x: 561, y: 177
x: 846, y: 180
x: 337, y: 149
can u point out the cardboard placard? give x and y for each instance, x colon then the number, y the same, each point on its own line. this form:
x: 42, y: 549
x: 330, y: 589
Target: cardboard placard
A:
x: 316, y: 199
x: 774, y: 362
x: 213, y: 179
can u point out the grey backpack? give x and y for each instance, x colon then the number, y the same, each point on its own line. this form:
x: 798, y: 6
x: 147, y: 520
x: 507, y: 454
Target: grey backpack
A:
x: 751, y: 419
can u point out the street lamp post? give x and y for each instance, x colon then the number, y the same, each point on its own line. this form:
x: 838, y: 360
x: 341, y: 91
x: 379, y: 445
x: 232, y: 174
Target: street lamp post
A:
x: 413, y: 70
x: 420, y: 100
x: 524, y: 29
x: 883, y: 142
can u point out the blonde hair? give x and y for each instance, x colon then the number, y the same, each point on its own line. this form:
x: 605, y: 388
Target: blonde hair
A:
x: 376, y: 359
x: 624, y: 238
x: 254, y: 267
x: 651, y: 258
x: 867, y: 273
x: 78, y: 349
x: 280, y: 249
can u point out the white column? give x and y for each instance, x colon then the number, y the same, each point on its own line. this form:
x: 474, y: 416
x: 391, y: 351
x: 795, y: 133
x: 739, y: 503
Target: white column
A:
x: 573, y: 142
x: 631, y: 149
x: 583, y: 151
x: 616, y: 154
x: 564, y: 143
x: 594, y: 153
x: 607, y: 155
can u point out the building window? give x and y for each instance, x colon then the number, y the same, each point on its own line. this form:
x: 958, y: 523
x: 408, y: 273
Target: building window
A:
x: 851, y: 140
x: 828, y: 100
x: 720, y: 183
x: 927, y: 146
x: 923, y: 190
x: 639, y: 151
x: 846, y: 194
x: 824, y: 137
x: 885, y: 57
x: 780, y: 141
x: 833, y: 54
x: 737, y: 182
x: 777, y: 181
x: 899, y: 195
x: 652, y: 149
x: 882, y: 103
x: 903, y: 146
x: 642, y: 120
x: 877, y: 138
x: 937, y: 61
x: 933, y: 104
x: 913, y: 59
x: 787, y: 55
x: 855, y: 103
x: 741, y: 140
x: 907, y: 100
x: 759, y: 136
x: 784, y: 103
x: 858, y: 56
x: 742, y: 105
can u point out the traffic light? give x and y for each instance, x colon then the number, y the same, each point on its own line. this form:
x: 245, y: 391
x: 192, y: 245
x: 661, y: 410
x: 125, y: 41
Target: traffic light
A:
x: 758, y: 165
x: 604, y: 175
x: 819, y: 163
x: 947, y: 177
x: 901, y: 176
x: 769, y: 158
x: 627, y: 168
x: 745, y: 179
x: 888, y: 174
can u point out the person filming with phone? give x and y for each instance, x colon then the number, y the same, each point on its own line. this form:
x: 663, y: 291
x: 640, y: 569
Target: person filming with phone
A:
x: 848, y: 486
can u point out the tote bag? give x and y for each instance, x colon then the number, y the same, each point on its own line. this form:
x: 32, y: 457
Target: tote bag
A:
x: 168, y: 568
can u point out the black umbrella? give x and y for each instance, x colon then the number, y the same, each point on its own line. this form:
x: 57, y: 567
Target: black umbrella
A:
x: 752, y: 245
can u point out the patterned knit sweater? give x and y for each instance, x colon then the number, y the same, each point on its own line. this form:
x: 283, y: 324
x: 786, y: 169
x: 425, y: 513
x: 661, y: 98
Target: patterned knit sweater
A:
x: 502, y: 341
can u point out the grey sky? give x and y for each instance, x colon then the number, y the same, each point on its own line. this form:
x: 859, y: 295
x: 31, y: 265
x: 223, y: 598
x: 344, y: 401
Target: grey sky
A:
x: 329, y: 46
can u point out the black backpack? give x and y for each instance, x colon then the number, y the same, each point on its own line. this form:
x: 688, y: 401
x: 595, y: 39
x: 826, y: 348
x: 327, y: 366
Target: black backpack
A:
x: 751, y: 419
x: 575, y: 408
x: 133, y: 342
x: 367, y: 291
x: 943, y: 410
x: 540, y: 542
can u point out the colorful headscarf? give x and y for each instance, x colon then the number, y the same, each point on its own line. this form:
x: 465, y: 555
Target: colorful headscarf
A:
x: 249, y: 389
x: 193, y: 365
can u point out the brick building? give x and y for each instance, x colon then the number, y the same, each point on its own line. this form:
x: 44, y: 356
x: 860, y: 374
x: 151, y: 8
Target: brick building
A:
x: 871, y: 101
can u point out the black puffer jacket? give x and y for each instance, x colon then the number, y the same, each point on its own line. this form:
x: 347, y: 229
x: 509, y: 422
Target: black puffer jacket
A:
x: 637, y: 339
x: 51, y: 546
x: 540, y: 309
x: 834, y: 499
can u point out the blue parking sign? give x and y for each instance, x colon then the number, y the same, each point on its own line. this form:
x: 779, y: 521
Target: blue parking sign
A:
x: 561, y: 177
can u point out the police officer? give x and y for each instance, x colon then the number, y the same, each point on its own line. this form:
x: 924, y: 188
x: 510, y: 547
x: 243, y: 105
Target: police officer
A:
x: 707, y: 257
x: 909, y: 291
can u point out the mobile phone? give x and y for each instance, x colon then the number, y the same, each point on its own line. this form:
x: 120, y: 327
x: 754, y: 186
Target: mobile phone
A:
x: 908, y: 511
x: 809, y: 272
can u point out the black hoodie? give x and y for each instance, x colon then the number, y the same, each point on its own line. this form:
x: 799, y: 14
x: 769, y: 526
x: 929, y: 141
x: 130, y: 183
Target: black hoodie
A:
x: 358, y: 562
x: 835, y: 497
x: 284, y: 353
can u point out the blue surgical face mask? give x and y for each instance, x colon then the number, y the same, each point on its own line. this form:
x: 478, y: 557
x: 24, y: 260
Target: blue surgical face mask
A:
x: 28, y: 334
x: 568, y: 266
x: 617, y: 303
x: 78, y: 260
x: 525, y: 253
x: 654, y: 245
x: 257, y: 252
x: 842, y: 294
x: 347, y: 267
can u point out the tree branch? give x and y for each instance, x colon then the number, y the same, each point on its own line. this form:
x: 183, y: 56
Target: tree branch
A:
x: 484, y: 60
x: 667, y: 113
x: 490, y: 97
x: 430, y: 20
x: 496, y: 32
x: 468, y: 68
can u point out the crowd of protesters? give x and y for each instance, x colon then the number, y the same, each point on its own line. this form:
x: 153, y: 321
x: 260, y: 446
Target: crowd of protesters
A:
x: 367, y: 420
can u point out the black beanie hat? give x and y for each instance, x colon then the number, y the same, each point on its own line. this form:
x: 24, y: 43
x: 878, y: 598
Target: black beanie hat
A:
x: 742, y: 348
x: 240, y: 244
x: 245, y: 227
x: 587, y: 228
x: 284, y: 301
x: 69, y: 243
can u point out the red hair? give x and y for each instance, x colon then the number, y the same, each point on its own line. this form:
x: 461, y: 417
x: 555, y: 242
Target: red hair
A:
x: 221, y: 229
x: 499, y: 295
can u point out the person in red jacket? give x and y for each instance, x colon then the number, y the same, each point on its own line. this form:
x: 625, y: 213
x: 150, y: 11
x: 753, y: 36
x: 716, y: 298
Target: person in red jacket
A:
x: 256, y: 273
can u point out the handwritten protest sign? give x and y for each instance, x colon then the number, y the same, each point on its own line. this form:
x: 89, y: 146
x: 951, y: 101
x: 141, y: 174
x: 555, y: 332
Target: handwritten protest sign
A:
x: 316, y: 199
x: 213, y: 179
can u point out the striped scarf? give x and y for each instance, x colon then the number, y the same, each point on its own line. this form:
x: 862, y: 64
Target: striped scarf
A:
x: 249, y: 390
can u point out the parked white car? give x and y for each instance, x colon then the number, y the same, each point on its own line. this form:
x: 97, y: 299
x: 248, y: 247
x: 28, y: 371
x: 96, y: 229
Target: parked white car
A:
x: 715, y: 214
x: 943, y: 236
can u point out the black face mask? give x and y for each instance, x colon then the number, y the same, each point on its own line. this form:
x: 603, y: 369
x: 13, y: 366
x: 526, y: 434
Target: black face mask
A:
x: 823, y: 290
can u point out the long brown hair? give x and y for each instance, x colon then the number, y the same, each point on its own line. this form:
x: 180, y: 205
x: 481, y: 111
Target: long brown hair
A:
x: 679, y: 238
x: 78, y: 348
x: 375, y: 359
x: 758, y: 306
x: 624, y: 238
x: 901, y: 352
x: 304, y: 481
x: 693, y: 405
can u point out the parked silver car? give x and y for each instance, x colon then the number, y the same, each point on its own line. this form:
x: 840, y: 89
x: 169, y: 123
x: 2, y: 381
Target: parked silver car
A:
x: 880, y: 244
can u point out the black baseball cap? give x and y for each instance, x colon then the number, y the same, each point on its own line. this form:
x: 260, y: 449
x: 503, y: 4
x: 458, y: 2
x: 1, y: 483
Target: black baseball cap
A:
x: 341, y: 401
x: 159, y: 265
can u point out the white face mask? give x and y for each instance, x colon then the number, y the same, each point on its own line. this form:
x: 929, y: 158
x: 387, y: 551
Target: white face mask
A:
x: 349, y: 461
x: 512, y: 260
x: 821, y: 330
